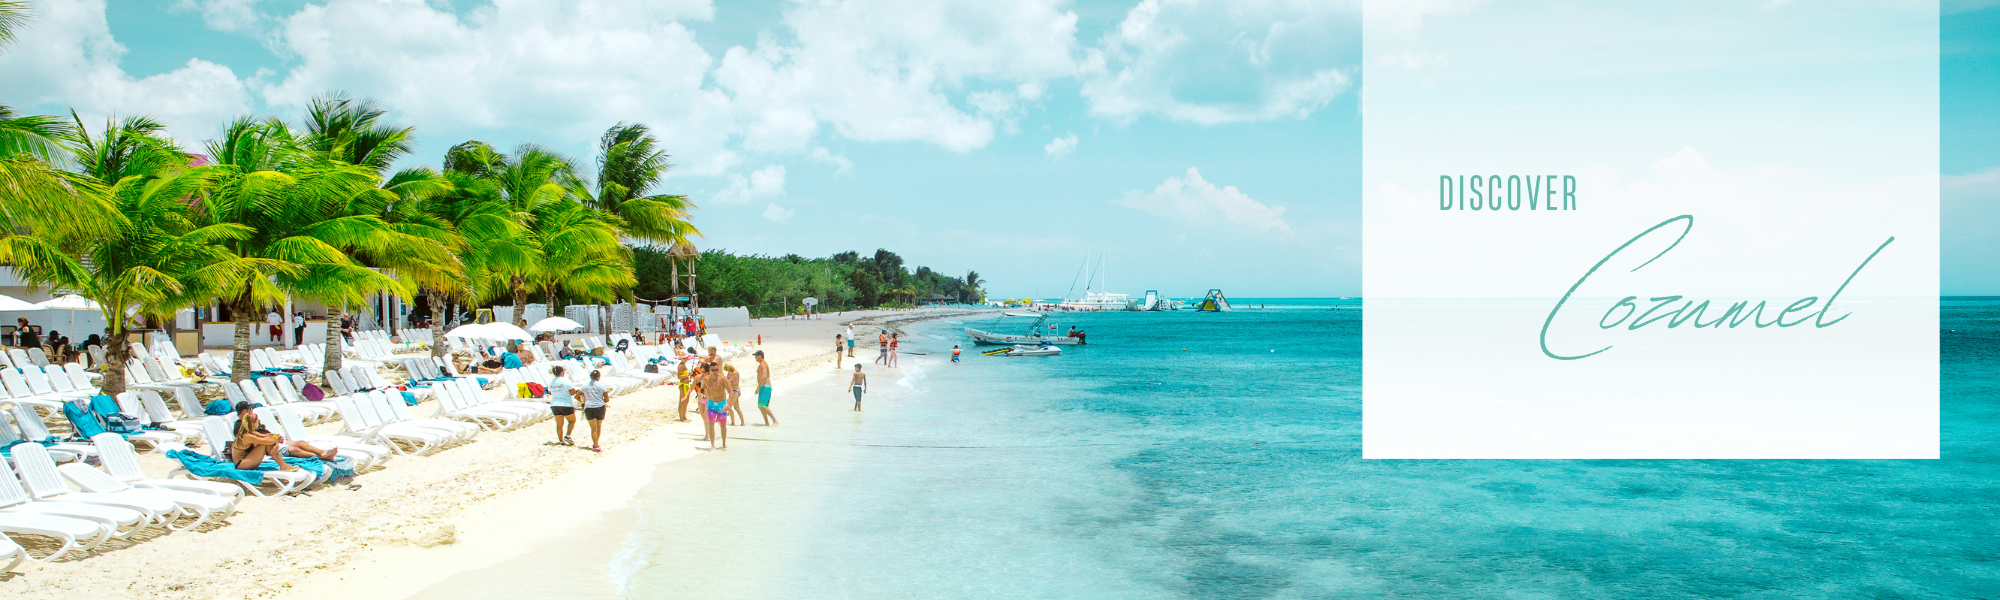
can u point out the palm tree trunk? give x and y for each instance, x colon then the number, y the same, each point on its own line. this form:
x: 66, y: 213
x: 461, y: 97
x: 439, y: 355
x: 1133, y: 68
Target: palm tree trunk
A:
x: 333, y: 338
x: 115, y: 355
x: 520, y: 302
x: 437, y: 323
x: 239, y: 360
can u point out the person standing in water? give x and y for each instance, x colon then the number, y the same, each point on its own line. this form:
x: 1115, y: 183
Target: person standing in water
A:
x: 838, y: 342
x: 595, y: 396
x: 882, y: 348
x: 895, y: 348
x: 859, y: 384
x: 562, y: 403
x: 716, y: 389
x: 764, y: 388
x: 954, y: 353
x: 735, y: 395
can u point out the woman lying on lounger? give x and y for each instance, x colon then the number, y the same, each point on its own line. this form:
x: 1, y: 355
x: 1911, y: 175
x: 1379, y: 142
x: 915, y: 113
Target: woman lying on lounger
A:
x: 254, y: 442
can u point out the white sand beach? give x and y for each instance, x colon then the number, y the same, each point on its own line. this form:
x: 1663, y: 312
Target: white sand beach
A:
x: 421, y: 519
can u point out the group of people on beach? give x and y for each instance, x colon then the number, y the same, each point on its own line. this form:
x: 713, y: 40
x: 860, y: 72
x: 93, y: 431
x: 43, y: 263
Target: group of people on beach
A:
x: 718, y: 389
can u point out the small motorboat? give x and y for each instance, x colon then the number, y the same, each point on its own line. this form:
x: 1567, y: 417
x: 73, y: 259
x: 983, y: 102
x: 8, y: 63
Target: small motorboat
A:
x: 1032, y: 335
x: 1026, y: 350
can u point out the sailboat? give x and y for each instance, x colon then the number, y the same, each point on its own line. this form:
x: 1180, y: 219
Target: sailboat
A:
x: 1098, y: 300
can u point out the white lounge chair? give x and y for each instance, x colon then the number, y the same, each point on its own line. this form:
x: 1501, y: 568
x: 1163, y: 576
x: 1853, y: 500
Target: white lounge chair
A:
x: 38, y: 473
x: 204, y: 506
x: 123, y: 465
x: 121, y: 523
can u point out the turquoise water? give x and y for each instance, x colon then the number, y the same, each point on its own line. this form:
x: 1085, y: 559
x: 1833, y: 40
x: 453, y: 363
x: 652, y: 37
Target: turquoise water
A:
x: 1185, y: 455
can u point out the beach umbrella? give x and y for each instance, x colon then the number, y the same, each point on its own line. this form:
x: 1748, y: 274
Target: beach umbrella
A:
x: 555, y: 324
x: 474, y: 331
x: 70, y: 303
x: 508, y: 331
x: 12, y: 303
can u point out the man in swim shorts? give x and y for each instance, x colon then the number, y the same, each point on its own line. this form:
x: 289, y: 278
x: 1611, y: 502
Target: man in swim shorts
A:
x: 764, y: 389
x: 715, y: 389
x: 859, y: 384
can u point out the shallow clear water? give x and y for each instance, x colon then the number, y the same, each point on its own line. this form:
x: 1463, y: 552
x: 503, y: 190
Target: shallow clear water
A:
x: 1185, y: 455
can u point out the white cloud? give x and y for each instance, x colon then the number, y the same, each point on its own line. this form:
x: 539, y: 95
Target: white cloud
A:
x: 67, y: 57
x: 1221, y: 62
x: 1195, y: 201
x: 557, y: 73
x: 896, y: 70
x: 1061, y: 147
x: 237, y: 16
x: 841, y: 165
x: 762, y: 183
x: 777, y: 213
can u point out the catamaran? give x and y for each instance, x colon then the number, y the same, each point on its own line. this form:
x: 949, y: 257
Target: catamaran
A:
x: 1100, y: 300
x: 1033, y: 334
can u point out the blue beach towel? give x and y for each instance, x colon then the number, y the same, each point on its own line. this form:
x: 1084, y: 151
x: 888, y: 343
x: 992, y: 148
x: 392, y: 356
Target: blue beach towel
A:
x: 83, y: 420
x: 203, y: 465
x: 217, y: 408
x: 409, y: 398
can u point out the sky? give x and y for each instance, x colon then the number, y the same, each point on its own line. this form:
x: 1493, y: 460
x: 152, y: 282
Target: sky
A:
x: 1181, y: 145
x: 1194, y: 144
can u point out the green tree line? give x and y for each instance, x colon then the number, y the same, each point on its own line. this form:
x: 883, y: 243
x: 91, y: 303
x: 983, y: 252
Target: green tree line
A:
x: 772, y: 286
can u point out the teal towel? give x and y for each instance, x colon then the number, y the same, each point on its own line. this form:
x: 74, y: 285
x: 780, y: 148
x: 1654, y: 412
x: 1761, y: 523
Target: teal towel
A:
x: 203, y: 465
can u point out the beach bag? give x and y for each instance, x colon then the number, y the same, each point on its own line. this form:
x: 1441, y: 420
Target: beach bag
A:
x: 652, y: 368
x: 313, y: 393
x: 122, y: 423
x: 521, y: 391
x: 216, y: 407
x: 537, y: 390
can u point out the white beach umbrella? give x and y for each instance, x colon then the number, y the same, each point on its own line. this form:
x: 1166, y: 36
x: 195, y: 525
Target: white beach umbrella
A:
x: 473, y: 330
x: 555, y: 324
x: 70, y: 303
x: 507, y: 331
x: 11, y: 303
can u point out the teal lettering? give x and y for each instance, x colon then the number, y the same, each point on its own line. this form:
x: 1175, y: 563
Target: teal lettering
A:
x: 1629, y: 309
x: 1642, y: 321
x: 1795, y: 307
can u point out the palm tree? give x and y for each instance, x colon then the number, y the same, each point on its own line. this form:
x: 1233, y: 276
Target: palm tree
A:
x: 530, y: 180
x: 353, y: 132
x: 629, y: 165
x: 971, y: 289
x: 298, y: 207
x: 13, y: 15
x: 150, y: 255
x: 36, y: 195
x: 475, y: 209
x: 581, y: 253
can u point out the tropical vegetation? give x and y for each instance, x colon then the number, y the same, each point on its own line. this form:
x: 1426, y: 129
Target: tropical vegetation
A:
x: 772, y: 286
x: 319, y: 209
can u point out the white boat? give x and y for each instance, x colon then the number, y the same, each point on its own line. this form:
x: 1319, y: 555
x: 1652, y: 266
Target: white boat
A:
x: 1097, y: 301
x: 1025, y: 350
x: 1100, y: 300
x: 1032, y: 335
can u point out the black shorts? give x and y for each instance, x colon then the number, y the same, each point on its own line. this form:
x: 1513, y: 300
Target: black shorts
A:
x: 593, y: 414
x: 562, y: 411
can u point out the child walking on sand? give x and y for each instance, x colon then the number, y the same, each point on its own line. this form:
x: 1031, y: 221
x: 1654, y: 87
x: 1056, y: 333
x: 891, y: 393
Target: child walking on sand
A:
x: 859, y: 384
